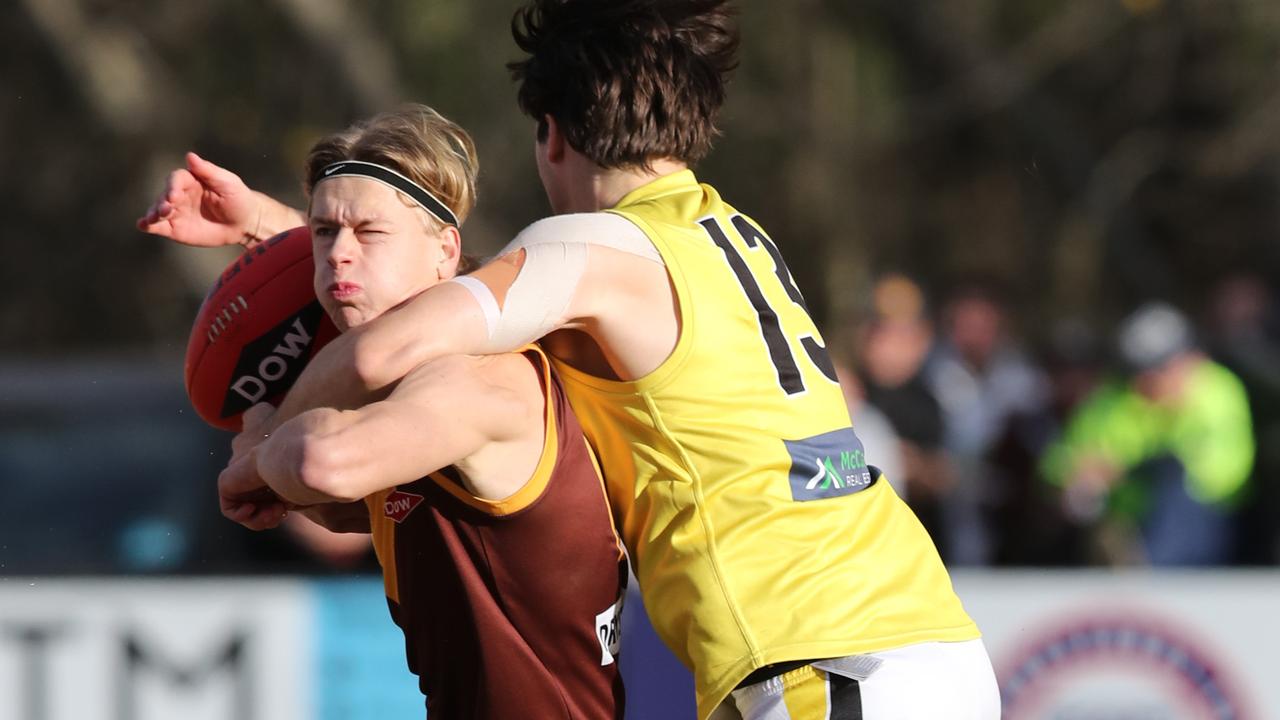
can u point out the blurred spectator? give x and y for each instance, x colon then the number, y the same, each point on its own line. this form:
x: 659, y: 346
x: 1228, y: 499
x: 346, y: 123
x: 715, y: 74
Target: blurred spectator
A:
x: 1166, y: 454
x: 1029, y: 526
x: 982, y: 380
x: 892, y: 349
x: 879, y: 438
x: 1243, y: 333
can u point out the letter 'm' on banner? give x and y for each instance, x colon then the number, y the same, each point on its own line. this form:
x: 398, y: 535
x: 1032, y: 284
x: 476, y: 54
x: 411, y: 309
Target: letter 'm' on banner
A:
x: 138, y: 658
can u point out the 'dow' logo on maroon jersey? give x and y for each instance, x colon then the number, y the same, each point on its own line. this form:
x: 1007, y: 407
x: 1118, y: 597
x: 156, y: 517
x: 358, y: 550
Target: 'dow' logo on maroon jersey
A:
x: 399, y: 504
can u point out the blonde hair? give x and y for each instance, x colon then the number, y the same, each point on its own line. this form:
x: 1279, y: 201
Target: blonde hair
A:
x: 415, y: 141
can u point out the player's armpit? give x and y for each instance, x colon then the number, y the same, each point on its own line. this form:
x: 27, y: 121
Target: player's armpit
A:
x: 615, y: 284
x: 628, y: 306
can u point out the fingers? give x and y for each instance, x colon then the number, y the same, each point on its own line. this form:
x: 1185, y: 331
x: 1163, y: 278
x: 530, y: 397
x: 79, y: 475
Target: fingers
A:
x: 158, y: 218
x: 240, y: 480
x: 237, y: 512
x: 151, y: 222
x: 202, y: 169
x: 245, y: 499
x: 214, y: 176
x: 254, y: 424
x: 202, y: 204
x: 256, y: 515
x: 243, y: 495
x: 265, y: 516
x: 155, y: 219
x: 257, y: 416
x: 242, y: 444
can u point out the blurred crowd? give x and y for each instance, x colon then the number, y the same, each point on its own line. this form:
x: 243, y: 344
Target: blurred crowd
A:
x: 1152, y: 442
x: 1141, y: 443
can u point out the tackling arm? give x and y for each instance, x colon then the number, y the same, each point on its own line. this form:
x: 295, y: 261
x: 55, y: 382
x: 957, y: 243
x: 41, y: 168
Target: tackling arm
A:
x: 594, y: 272
x: 362, y: 362
x: 439, y: 416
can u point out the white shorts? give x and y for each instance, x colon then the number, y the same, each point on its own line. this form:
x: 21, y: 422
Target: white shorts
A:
x: 928, y: 681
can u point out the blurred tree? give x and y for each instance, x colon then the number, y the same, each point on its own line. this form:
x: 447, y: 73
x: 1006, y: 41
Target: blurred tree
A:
x: 1086, y: 154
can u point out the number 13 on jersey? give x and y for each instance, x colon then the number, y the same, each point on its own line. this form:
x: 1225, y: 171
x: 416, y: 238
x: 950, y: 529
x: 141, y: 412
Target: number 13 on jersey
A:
x: 775, y: 339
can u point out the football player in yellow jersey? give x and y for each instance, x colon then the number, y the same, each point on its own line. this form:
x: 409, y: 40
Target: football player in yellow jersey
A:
x: 772, y: 558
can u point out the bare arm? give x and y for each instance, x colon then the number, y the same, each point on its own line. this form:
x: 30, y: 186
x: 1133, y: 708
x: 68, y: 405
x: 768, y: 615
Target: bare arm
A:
x: 365, y: 360
x: 624, y: 303
x: 440, y: 415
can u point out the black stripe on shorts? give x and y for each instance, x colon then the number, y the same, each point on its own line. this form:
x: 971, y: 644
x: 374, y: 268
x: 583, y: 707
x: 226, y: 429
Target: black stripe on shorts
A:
x: 846, y: 698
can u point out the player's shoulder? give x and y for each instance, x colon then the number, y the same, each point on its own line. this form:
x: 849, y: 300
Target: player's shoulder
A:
x: 602, y: 230
x: 578, y: 227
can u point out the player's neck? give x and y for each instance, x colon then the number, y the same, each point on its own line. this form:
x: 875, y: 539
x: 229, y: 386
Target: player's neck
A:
x: 602, y: 188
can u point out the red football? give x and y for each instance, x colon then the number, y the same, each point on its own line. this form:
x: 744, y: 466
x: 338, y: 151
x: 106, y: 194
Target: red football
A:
x: 256, y: 330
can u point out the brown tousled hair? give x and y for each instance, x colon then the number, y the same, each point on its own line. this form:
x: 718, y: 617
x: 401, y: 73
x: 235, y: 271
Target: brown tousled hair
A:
x: 627, y: 81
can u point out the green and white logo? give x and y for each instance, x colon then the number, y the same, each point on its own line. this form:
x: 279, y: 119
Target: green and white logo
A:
x: 828, y: 465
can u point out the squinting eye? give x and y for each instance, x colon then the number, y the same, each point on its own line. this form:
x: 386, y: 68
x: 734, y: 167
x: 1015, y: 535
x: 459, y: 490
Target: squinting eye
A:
x: 322, y: 232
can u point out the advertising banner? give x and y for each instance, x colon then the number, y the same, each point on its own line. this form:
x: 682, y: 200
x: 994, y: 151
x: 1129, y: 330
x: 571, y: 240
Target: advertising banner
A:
x: 217, y: 649
x: 1135, y: 645
x: 1079, y: 645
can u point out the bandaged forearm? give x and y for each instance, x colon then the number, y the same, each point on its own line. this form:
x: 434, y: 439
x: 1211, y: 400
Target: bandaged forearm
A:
x: 557, y: 251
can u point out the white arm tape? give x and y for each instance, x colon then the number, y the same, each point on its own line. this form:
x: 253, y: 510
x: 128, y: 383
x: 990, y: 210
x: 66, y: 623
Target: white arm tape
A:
x: 601, y: 229
x: 556, y: 251
x: 484, y: 296
x: 538, y: 300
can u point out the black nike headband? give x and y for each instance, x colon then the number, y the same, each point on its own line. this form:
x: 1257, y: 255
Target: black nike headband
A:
x: 395, y: 180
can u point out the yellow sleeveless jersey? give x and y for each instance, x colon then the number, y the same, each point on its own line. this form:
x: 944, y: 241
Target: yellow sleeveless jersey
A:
x: 756, y: 528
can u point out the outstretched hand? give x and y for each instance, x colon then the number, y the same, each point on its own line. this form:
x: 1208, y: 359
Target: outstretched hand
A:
x: 204, y: 205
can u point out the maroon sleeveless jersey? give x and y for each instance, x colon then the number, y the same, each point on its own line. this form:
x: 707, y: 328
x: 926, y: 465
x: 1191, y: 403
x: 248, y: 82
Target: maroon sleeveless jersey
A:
x: 510, y: 609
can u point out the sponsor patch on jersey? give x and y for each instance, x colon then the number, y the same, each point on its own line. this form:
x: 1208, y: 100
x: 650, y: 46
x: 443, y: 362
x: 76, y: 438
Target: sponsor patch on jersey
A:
x: 609, y: 631
x: 828, y: 465
x: 399, y: 504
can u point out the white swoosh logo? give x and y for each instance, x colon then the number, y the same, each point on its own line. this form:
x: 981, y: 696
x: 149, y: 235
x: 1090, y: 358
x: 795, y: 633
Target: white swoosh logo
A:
x: 822, y: 472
